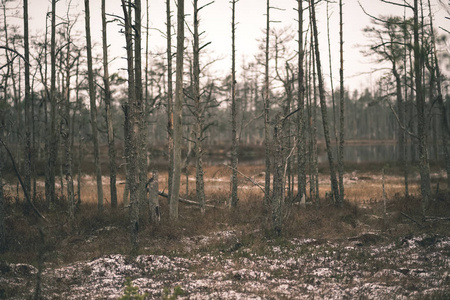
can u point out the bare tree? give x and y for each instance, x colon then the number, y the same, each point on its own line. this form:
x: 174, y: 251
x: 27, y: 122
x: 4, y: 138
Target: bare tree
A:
x: 169, y: 94
x: 109, y: 123
x: 424, y: 168
x: 301, y: 136
x: 323, y: 106
x: 27, y: 99
x: 52, y: 136
x: 132, y: 131
x: 341, y: 108
x: 267, y: 109
x: 93, y: 108
x: 234, y: 140
x: 177, y: 115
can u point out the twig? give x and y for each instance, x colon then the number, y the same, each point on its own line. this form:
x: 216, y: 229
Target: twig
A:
x: 248, y: 178
x: 432, y: 218
x: 411, y: 219
x: 186, y: 201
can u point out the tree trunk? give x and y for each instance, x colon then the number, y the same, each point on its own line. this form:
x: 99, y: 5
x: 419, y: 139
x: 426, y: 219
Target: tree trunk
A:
x: 323, y: 106
x: 109, y: 123
x: 178, y: 114
x: 93, y: 109
x: 2, y: 198
x: 132, y: 130
x: 445, y: 130
x: 52, y: 138
x: 67, y: 137
x: 341, y: 109
x: 169, y: 95
x: 155, y: 214
x: 234, y: 140
x: 424, y: 168
x: 278, y: 177
x: 27, y: 100
x: 301, y: 133
x: 266, y: 110
x: 199, y: 115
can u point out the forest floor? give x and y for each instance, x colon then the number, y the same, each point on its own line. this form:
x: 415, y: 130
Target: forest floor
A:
x: 356, y: 251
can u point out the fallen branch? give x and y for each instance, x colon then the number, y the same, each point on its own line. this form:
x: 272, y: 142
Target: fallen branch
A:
x: 186, y: 201
x: 25, y: 192
x: 411, y: 219
x: 248, y: 178
x: 432, y: 218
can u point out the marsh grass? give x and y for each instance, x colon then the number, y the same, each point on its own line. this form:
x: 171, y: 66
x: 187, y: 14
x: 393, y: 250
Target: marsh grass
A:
x: 95, y: 234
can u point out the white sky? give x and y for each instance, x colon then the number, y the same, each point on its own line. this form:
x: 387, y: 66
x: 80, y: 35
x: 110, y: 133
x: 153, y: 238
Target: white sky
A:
x: 216, y: 22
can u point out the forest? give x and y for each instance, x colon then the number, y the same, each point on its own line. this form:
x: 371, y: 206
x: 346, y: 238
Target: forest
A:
x: 143, y: 172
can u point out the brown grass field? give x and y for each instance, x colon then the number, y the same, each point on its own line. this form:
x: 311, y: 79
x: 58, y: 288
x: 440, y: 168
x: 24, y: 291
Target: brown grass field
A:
x: 240, y: 236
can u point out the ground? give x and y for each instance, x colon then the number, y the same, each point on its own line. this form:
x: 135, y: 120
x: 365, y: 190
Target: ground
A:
x: 356, y: 251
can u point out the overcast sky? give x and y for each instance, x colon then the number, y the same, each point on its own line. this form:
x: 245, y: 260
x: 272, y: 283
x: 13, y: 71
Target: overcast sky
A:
x: 250, y: 14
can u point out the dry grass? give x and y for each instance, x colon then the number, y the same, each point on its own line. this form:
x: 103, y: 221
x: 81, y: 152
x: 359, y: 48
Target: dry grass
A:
x: 94, y: 234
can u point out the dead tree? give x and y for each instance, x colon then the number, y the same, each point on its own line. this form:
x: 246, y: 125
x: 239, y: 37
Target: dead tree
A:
x: 177, y: 116
x: 301, y: 136
x: 52, y: 138
x: 109, y: 123
x: 323, y: 106
x: 234, y: 140
x: 93, y: 108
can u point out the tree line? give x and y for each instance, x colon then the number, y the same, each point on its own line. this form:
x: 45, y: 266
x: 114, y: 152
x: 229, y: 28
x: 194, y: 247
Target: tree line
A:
x: 58, y: 101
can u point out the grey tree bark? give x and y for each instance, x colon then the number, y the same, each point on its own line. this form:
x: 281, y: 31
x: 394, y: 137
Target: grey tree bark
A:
x: 93, y: 108
x: 234, y: 140
x: 169, y: 94
x: 341, y: 108
x: 323, y: 106
x: 199, y: 110
x: 301, y: 133
x: 65, y: 129
x: 52, y: 137
x: 132, y: 130
x: 445, y: 131
x: 27, y: 100
x: 266, y: 110
x: 109, y: 123
x: 177, y: 115
x: 424, y: 168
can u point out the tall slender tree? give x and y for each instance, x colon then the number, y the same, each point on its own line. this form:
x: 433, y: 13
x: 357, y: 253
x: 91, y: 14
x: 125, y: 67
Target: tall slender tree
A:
x: 27, y: 100
x: 234, y: 140
x: 132, y: 131
x: 109, y: 123
x: 267, y: 109
x: 169, y: 93
x: 323, y: 106
x: 424, y: 168
x: 199, y: 111
x: 301, y: 137
x: 52, y: 138
x: 341, y: 107
x: 177, y: 115
x: 93, y: 107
